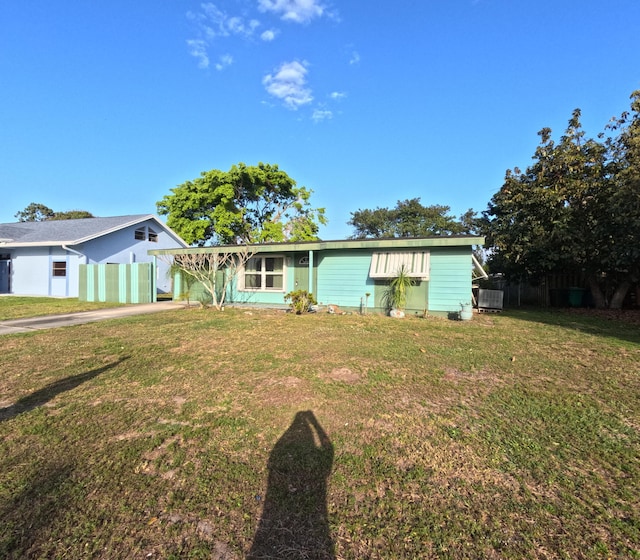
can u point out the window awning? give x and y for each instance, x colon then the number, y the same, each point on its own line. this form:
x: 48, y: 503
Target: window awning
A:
x: 387, y: 264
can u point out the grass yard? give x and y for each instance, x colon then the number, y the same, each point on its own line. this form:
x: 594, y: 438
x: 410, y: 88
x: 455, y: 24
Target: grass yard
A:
x: 19, y: 307
x: 260, y: 434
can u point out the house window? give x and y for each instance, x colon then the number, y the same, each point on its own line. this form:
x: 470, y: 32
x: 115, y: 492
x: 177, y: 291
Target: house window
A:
x: 387, y: 264
x: 59, y: 268
x: 264, y: 274
x: 145, y: 233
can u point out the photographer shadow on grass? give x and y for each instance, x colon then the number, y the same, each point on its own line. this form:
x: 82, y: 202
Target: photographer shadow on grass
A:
x: 294, y: 522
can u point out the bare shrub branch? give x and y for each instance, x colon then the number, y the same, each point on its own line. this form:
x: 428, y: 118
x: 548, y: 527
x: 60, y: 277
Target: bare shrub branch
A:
x: 214, y: 270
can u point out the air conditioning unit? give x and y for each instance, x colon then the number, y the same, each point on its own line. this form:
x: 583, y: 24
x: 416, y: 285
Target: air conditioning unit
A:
x: 490, y: 300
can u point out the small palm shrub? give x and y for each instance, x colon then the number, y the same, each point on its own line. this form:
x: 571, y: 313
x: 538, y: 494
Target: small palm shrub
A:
x: 300, y: 301
x: 398, y: 288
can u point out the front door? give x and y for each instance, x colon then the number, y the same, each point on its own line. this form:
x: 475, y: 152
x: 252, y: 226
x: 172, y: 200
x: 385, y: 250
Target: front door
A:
x: 301, y: 271
x: 5, y: 276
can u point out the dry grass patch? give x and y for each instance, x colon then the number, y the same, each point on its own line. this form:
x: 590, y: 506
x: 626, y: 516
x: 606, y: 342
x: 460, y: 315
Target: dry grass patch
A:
x: 189, y: 433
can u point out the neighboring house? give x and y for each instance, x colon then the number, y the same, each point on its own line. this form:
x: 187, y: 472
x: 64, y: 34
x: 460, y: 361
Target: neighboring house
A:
x: 44, y: 258
x: 355, y: 274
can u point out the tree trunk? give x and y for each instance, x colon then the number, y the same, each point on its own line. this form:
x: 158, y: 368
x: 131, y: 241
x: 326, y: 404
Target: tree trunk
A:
x: 619, y: 295
x: 597, y: 294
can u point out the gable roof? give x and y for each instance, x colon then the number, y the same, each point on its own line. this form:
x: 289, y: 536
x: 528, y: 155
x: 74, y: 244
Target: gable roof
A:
x: 71, y: 232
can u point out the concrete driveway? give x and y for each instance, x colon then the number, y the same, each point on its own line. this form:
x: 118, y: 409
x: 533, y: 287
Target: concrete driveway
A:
x: 68, y: 319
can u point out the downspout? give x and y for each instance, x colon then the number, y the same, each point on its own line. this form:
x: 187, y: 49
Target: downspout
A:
x: 67, y: 248
x: 70, y: 250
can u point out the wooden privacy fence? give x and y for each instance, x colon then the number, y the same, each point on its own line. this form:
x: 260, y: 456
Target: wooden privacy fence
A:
x: 118, y: 283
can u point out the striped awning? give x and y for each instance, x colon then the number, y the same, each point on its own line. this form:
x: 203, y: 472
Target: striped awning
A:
x: 387, y: 264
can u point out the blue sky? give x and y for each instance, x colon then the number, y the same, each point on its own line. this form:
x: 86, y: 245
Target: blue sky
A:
x: 106, y: 105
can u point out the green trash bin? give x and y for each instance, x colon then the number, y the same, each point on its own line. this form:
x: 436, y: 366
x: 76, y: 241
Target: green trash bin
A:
x: 575, y: 296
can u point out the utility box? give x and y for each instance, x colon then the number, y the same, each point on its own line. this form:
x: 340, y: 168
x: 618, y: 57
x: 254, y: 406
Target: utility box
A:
x: 490, y: 300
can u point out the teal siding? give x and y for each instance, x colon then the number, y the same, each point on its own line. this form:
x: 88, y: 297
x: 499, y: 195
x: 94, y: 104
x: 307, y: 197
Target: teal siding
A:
x: 263, y: 297
x: 343, y: 277
x: 450, y: 279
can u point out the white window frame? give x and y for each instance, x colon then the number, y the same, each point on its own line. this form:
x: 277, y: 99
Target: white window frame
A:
x: 386, y: 264
x: 263, y: 275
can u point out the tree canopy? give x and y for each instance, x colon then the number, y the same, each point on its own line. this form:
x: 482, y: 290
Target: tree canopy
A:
x: 247, y: 204
x: 36, y: 212
x: 410, y: 218
x: 575, y: 209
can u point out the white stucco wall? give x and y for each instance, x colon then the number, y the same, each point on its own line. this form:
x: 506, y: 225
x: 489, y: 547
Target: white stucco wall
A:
x: 31, y: 272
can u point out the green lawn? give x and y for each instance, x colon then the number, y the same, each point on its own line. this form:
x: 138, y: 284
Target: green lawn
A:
x: 19, y: 307
x: 203, y: 434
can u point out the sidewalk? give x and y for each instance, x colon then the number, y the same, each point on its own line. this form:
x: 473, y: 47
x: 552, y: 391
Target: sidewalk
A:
x: 68, y: 319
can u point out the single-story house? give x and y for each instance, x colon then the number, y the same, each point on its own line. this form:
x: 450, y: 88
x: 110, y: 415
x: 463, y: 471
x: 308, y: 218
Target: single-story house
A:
x: 44, y: 258
x: 353, y: 274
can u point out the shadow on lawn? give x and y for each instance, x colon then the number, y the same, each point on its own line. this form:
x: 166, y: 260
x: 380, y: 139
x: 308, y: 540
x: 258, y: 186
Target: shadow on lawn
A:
x: 44, y: 395
x: 28, y: 518
x: 294, y: 522
x: 622, y: 325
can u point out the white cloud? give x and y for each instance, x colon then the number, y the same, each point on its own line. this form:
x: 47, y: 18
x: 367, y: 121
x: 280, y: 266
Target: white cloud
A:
x: 198, y: 49
x: 237, y: 26
x: 321, y: 115
x: 213, y: 23
x: 224, y: 61
x: 288, y: 84
x: 337, y: 95
x: 298, y: 11
x: 269, y: 35
x: 355, y: 57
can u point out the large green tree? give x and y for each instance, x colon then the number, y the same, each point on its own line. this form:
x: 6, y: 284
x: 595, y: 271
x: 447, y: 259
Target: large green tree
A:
x: 409, y: 218
x: 72, y: 215
x: 247, y: 204
x: 576, y: 209
x: 36, y: 212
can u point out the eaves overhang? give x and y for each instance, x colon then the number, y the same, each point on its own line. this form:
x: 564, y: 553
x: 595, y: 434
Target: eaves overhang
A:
x: 9, y: 243
x: 395, y: 243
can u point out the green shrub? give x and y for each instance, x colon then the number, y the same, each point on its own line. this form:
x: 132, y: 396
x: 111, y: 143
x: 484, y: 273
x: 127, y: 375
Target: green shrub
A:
x: 300, y: 301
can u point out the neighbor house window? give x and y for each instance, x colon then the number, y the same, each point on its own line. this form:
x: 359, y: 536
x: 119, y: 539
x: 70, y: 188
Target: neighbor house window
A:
x: 387, y: 264
x: 264, y: 273
x: 59, y: 268
x: 145, y: 233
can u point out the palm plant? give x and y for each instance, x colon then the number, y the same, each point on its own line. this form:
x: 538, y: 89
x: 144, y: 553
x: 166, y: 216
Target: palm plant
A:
x: 399, y: 288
